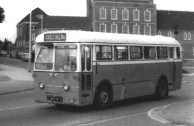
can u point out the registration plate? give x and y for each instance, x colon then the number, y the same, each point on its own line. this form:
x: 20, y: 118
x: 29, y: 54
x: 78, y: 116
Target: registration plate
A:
x: 55, y: 99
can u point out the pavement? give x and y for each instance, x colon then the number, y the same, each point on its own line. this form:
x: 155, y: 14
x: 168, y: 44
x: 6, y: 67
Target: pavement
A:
x: 181, y: 113
x: 176, y: 114
x: 15, y: 79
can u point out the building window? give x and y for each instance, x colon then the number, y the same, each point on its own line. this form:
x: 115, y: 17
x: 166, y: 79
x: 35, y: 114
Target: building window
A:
x: 136, y: 14
x: 125, y: 14
x: 102, y: 13
x: 187, y: 36
x: 114, y: 15
x: 125, y: 28
x: 147, y: 29
x: 102, y: 27
x: 114, y: 28
x: 170, y: 34
x: 147, y: 15
x: 193, y: 51
x: 33, y: 36
x: 33, y: 27
x: 136, y: 28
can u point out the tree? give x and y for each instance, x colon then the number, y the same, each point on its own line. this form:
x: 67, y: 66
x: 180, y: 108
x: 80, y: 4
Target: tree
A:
x: 1, y: 45
x: 2, y: 16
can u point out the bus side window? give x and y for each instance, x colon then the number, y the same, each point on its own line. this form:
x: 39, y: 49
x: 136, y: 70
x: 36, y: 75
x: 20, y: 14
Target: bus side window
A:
x: 82, y: 58
x: 136, y: 53
x: 121, y: 52
x: 149, y: 52
x: 162, y: 52
x: 171, y: 52
x: 103, y: 52
x: 178, y: 53
x: 86, y: 58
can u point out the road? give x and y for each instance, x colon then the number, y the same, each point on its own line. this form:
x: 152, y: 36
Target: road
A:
x: 20, y: 110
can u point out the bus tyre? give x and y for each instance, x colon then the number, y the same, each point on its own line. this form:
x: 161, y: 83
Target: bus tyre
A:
x: 162, y: 89
x: 103, y: 97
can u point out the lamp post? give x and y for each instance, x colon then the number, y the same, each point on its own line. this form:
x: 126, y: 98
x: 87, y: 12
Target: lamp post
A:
x: 30, y: 44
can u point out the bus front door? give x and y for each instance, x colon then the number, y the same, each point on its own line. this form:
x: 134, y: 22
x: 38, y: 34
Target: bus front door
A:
x: 86, y: 74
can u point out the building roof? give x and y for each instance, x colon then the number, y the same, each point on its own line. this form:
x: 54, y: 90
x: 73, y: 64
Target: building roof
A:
x: 35, y: 13
x: 66, y: 22
x: 178, y: 20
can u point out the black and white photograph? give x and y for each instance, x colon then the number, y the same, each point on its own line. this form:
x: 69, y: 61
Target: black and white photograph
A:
x: 96, y: 63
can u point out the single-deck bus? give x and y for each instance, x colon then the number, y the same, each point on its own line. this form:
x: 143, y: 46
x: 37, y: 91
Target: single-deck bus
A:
x: 81, y: 68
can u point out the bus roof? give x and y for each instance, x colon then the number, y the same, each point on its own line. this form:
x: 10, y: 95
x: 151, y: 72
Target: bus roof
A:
x: 100, y: 37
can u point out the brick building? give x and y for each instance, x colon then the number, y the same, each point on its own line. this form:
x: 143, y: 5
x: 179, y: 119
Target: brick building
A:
x: 43, y: 22
x: 180, y: 25
x: 22, y: 40
x: 124, y: 16
x: 117, y: 16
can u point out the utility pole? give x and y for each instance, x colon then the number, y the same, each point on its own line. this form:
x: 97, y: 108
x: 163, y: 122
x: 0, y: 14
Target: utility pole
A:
x: 30, y: 43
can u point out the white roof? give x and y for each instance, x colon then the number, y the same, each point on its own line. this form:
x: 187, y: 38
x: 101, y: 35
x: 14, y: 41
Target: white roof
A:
x: 98, y: 37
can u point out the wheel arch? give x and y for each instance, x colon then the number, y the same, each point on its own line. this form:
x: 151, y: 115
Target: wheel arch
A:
x: 161, y: 89
x: 162, y: 77
x: 106, y: 84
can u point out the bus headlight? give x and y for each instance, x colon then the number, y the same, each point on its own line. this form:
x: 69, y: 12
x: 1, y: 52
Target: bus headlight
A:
x: 66, y: 88
x: 41, y: 85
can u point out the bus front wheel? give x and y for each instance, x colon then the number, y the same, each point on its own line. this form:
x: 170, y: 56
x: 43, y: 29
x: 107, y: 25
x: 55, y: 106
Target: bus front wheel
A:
x: 162, y: 89
x: 103, y: 97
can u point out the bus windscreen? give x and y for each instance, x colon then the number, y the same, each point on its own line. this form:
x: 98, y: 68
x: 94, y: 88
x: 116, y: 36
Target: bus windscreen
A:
x: 44, y: 60
x: 65, y: 58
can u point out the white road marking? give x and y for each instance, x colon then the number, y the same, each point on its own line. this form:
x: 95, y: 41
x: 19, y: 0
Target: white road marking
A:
x: 111, y: 119
x: 155, y: 114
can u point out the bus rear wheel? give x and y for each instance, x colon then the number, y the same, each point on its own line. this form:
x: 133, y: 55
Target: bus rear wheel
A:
x: 103, y: 97
x: 162, y: 89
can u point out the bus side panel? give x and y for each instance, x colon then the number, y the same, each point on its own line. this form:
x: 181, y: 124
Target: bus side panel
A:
x: 86, y: 86
x: 178, y: 75
x: 132, y: 79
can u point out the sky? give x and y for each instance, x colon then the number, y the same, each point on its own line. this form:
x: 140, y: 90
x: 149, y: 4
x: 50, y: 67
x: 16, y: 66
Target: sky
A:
x: 15, y: 10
